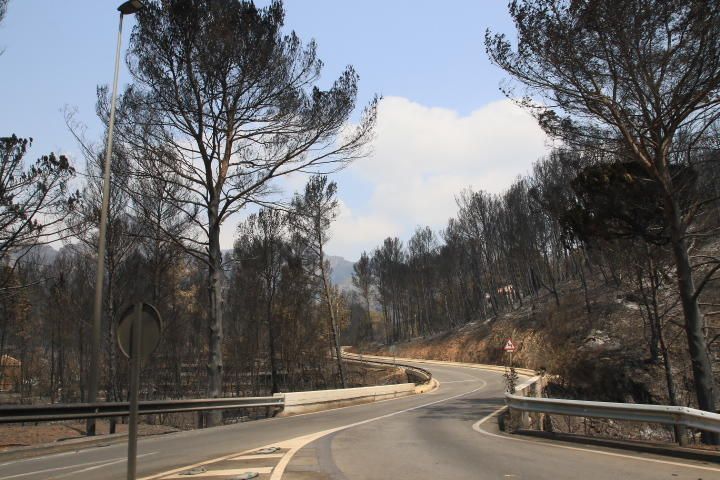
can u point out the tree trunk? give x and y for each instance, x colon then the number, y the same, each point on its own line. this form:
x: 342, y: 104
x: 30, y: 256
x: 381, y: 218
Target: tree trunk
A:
x: 551, y: 275
x: 651, y: 312
x: 215, y: 325
x: 369, y: 326
x: 583, y: 282
x: 271, y: 349
x: 333, y: 321
x: 679, y: 430
x: 701, y: 366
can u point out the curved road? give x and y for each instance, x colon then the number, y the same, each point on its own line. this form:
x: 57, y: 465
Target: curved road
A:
x: 449, y: 433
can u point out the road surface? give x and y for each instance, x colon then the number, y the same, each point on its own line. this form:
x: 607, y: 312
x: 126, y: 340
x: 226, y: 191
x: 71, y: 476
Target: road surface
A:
x: 449, y: 433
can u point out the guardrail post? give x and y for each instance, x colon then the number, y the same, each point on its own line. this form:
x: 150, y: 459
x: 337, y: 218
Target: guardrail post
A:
x: 525, y: 416
x: 680, y: 432
x: 539, y: 386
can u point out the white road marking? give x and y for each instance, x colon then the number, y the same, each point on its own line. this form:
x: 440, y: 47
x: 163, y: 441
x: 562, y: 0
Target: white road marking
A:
x: 256, y: 457
x: 462, y: 381
x: 90, y: 468
x: 44, y: 457
x: 188, y: 467
x: 222, y: 473
x: 55, y: 469
x: 477, y: 428
x: 107, y: 464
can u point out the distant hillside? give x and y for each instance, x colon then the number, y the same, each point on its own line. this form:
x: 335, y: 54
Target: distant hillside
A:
x: 40, y: 254
x: 341, y: 272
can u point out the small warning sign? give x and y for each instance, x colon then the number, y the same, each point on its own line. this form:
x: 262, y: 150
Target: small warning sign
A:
x: 509, y: 346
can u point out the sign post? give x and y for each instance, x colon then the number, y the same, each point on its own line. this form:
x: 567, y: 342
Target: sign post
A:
x: 138, y: 334
x: 136, y: 329
x: 510, y: 348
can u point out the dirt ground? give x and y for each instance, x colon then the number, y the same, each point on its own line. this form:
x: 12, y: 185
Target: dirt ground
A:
x: 22, y: 435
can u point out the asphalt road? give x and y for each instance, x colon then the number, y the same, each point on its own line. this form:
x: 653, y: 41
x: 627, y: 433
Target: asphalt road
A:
x: 438, y: 435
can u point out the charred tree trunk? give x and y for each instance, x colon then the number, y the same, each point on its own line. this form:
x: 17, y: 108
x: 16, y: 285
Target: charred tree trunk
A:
x: 700, y: 360
x: 215, y: 324
x: 271, y: 349
x: 679, y: 430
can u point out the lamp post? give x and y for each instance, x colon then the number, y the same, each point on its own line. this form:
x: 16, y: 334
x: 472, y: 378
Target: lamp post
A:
x: 127, y: 8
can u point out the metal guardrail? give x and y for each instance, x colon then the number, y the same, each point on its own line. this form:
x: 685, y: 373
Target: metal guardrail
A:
x: 496, y: 368
x: 79, y: 411
x: 44, y: 413
x: 421, y: 372
x: 669, y: 415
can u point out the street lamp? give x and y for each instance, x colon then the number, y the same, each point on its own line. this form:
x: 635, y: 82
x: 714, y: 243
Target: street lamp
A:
x: 130, y: 7
x: 127, y: 8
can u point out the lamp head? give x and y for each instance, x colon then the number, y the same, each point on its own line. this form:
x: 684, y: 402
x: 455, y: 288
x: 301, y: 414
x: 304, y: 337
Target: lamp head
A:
x: 130, y: 7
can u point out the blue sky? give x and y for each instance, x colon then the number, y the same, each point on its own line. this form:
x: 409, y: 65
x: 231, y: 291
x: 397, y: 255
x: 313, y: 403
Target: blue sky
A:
x: 443, y: 124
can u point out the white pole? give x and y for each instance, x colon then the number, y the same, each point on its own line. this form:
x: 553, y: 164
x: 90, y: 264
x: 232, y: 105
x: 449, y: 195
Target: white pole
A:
x: 94, y: 376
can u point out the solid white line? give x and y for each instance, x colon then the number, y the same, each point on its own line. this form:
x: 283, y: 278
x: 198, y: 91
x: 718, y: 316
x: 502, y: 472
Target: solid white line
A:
x: 477, y: 428
x: 477, y: 424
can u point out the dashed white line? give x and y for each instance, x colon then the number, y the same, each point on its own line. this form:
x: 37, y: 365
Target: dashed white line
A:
x: 56, y: 469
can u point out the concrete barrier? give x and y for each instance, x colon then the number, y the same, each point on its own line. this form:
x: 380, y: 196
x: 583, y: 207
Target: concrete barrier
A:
x: 427, y: 387
x: 315, y: 401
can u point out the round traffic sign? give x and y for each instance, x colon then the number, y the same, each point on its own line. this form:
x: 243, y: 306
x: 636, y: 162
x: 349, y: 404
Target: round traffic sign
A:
x: 151, y: 330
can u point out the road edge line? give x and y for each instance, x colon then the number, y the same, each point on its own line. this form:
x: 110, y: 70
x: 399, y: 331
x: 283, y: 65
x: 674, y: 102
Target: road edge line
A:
x: 477, y: 428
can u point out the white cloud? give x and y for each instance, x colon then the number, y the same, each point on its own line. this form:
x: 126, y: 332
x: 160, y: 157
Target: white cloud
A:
x: 351, y: 231
x: 422, y: 158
